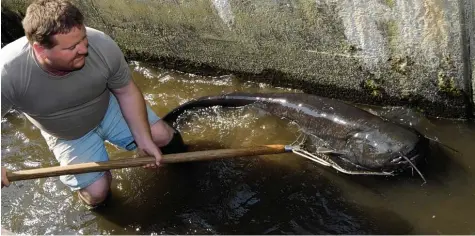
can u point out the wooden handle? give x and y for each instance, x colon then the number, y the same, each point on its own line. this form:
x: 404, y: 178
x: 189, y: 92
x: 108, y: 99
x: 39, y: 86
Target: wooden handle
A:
x: 141, y: 161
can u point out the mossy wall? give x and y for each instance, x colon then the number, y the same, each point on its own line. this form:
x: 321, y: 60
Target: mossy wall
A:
x: 393, y: 52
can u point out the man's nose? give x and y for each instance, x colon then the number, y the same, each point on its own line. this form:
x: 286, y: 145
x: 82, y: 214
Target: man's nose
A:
x: 82, y: 48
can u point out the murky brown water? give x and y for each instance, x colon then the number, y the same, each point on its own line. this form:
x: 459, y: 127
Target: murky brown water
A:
x: 278, y: 194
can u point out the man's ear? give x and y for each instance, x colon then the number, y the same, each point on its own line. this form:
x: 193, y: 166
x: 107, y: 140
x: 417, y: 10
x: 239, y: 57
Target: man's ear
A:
x: 39, y: 49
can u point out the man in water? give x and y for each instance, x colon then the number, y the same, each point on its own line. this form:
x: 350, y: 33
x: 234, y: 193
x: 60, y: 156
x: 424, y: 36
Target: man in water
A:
x: 73, y: 83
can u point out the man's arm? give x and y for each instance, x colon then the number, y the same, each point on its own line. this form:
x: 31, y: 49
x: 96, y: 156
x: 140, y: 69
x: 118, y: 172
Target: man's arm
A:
x: 130, y: 98
x: 132, y: 105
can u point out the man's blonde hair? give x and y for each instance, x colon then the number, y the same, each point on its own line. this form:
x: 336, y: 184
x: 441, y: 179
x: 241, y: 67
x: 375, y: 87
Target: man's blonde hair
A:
x: 45, y: 18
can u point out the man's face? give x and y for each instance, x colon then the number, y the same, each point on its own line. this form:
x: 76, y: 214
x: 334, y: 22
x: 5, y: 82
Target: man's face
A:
x: 70, y: 50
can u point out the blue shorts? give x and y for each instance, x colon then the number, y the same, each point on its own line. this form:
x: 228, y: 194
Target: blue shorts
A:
x: 91, y: 148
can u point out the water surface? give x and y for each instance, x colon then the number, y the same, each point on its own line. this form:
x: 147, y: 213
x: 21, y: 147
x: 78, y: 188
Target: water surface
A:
x: 274, y: 194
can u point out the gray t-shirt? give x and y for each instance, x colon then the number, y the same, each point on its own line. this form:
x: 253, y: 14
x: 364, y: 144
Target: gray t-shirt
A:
x: 66, y: 106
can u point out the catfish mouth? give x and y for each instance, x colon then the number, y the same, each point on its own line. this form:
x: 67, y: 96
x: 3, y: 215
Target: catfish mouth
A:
x: 402, y: 162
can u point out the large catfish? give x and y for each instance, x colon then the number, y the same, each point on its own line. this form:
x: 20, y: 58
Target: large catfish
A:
x: 359, y: 140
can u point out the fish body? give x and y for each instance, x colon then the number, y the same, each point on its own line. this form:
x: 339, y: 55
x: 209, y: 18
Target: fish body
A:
x: 362, y: 140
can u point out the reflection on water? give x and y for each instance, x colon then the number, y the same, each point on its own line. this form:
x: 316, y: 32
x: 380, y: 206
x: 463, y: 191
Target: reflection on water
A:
x: 275, y: 194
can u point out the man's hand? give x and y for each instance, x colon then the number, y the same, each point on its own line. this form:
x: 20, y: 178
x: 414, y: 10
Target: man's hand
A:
x: 149, y: 148
x: 5, y: 181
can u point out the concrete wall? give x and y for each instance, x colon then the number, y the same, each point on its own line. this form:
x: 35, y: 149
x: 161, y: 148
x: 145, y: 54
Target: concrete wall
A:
x: 469, y: 22
x: 413, y: 52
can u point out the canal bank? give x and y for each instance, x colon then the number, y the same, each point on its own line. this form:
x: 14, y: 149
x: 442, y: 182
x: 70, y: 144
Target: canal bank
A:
x: 391, y: 52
